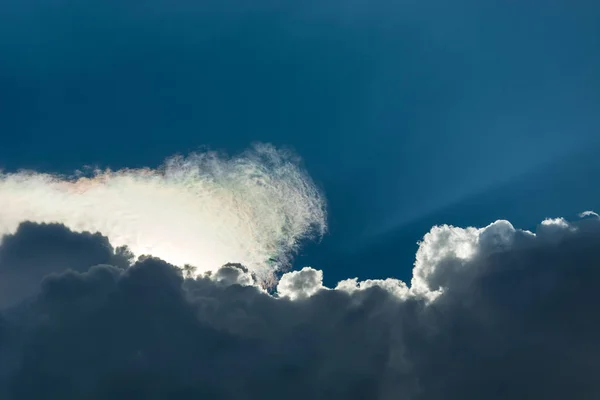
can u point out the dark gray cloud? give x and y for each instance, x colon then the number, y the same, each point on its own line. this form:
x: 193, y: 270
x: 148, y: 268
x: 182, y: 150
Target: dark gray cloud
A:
x: 514, y: 316
x: 35, y: 251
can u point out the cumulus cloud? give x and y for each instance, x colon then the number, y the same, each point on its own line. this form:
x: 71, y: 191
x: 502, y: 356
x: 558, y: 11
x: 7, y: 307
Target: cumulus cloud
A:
x: 491, y: 313
x: 205, y: 209
x: 393, y: 286
x: 35, y: 251
x: 233, y: 274
x: 300, y: 284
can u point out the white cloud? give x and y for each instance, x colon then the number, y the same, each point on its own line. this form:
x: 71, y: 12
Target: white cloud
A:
x: 204, y: 209
x: 588, y: 214
x: 391, y: 285
x: 300, y: 284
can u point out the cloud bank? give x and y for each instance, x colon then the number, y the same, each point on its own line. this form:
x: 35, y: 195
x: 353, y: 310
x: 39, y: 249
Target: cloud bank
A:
x: 204, y: 209
x: 491, y: 313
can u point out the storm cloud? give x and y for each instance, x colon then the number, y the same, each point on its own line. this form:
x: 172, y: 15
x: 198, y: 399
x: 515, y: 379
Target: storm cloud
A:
x: 491, y: 313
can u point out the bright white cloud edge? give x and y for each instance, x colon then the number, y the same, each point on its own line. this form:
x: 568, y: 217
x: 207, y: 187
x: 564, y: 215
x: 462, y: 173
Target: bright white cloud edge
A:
x: 206, y: 209
x: 443, y: 247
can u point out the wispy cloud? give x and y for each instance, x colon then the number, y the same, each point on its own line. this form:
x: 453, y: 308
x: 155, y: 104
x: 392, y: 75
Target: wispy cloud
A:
x: 205, y: 209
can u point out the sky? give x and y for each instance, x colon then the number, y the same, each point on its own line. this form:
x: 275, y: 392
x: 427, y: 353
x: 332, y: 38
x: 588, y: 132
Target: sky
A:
x: 400, y: 112
x: 346, y: 131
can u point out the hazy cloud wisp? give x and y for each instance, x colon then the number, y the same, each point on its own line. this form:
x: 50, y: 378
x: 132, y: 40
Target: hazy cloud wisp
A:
x: 204, y: 209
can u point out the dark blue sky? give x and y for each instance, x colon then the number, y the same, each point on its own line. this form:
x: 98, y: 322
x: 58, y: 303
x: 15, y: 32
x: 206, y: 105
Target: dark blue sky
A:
x: 407, y: 113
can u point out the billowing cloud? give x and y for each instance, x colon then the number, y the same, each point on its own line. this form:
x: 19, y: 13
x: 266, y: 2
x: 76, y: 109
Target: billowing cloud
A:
x: 491, y: 313
x: 204, y: 209
x: 35, y: 251
x: 300, y: 284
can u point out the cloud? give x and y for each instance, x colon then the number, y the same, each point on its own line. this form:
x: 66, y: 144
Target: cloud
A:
x: 589, y: 214
x: 35, y: 251
x: 233, y: 274
x: 210, y: 209
x: 491, y: 313
x: 300, y: 284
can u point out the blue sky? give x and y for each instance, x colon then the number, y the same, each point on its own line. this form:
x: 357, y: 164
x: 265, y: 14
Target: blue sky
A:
x: 407, y: 114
